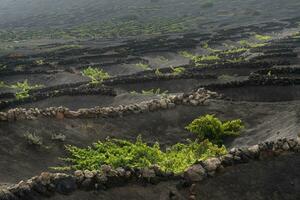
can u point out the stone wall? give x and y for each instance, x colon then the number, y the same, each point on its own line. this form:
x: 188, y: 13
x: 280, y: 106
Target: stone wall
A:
x: 257, y: 80
x: 49, y: 184
x: 38, y: 95
x: 196, y: 98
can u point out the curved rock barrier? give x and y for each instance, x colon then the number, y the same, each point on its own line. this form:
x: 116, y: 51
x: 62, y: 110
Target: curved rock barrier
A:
x: 39, y: 95
x: 49, y: 184
x: 257, y: 80
x: 196, y: 98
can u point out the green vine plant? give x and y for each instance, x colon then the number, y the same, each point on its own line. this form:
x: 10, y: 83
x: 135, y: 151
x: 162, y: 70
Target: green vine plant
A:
x: 138, y: 154
x: 200, y: 60
x: 247, y: 44
x: 177, y: 70
x: 211, y: 128
x: 262, y: 37
x: 96, y: 75
x: 23, y: 89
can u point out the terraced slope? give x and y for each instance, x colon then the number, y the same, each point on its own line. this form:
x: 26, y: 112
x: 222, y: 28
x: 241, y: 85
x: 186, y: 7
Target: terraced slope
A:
x: 157, y: 85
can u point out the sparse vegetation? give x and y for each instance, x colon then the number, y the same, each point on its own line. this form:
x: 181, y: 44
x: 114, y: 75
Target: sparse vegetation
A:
x: 33, y: 139
x: 177, y: 70
x: 106, y: 29
x: 143, y: 66
x: 151, y: 92
x: 187, y: 54
x: 199, y: 60
x: 247, y: 44
x: 39, y: 62
x: 96, y: 75
x: 24, y: 88
x: 262, y: 37
x: 138, y: 154
x: 58, y: 137
x: 162, y: 59
x: 210, y: 127
x: 206, y: 46
x: 236, y: 50
x: 2, y: 67
x: 158, y: 72
x: 236, y: 60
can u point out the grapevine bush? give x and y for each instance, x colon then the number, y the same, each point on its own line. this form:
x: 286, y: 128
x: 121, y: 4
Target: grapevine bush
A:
x: 122, y: 153
x: 210, y: 127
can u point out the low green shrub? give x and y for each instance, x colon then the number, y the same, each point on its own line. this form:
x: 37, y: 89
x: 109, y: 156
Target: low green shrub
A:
x: 210, y: 127
x: 262, y: 37
x: 96, y: 75
x: 247, y: 44
x: 177, y: 70
x: 122, y: 153
x: 24, y: 88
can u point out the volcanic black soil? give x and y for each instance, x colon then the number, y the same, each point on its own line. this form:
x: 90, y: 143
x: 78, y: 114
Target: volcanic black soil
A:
x: 259, y: 85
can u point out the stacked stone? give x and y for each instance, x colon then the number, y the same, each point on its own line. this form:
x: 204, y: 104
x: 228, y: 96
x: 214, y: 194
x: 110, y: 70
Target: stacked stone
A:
x: 44, y: 93
x: 196, y: 98
x: 48, y: 184
x: 262, y: 151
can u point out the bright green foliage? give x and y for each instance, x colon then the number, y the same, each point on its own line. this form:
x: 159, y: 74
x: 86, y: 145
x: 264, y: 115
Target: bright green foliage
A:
x: 236, y: 50
x: 180, y: 156
x: 233, y: 127
x: 210, y: 127
x: 40, y: 62
x: 262, y: 37
x: 122, y: 153
x: 96, y: 75
x: 24, y: 89
x: 199, y: 60
x: 22, y: 95
x: 245, y: 43
x: 177, y: 70
x: 205, y: 45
